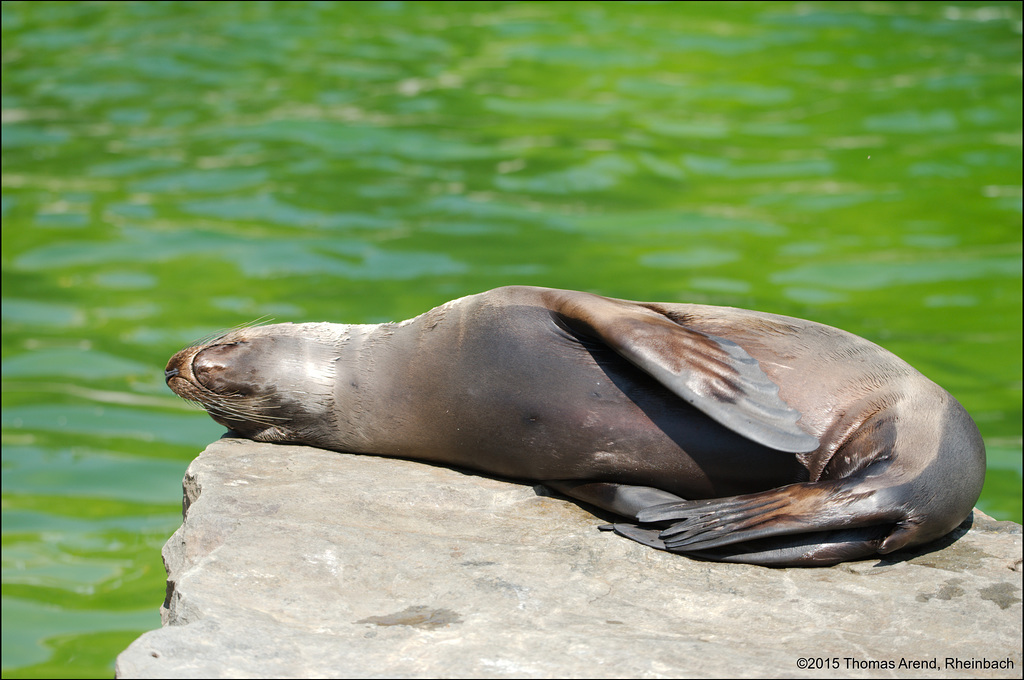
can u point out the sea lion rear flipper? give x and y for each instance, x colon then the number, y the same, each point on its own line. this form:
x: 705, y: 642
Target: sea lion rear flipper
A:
x: 713, y: 374
x: 817, y: 549
x: 815, y: 519
x: 780, y: 527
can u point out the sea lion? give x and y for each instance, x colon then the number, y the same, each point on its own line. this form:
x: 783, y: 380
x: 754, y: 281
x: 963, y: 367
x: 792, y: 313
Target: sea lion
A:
x: 720, y: 433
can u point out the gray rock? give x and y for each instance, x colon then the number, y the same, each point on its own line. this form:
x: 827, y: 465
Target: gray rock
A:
x: 298, y: 562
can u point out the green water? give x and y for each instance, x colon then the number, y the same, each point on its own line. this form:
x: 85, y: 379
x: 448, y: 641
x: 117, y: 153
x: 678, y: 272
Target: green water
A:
x: 170, y: 169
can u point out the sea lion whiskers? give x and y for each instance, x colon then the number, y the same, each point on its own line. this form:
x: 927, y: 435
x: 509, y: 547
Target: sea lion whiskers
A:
x: 217, y: 407
x: 248, y: 408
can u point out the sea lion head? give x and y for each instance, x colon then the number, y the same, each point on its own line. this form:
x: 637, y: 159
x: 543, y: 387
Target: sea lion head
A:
x: 266, y: 383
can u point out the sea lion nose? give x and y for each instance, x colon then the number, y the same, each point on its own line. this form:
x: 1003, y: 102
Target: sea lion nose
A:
x: 173, y: 369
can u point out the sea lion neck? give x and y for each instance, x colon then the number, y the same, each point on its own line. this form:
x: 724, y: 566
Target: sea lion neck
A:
x: 394, y: 384
x: 368, y: 366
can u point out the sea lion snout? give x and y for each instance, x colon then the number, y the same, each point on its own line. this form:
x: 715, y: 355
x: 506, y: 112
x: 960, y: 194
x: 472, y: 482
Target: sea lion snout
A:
x: 195, y: 369
x: 177, y: 371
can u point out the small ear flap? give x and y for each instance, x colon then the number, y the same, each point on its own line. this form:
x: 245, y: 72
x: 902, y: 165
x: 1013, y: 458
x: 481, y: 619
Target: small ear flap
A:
x: 713, y: 374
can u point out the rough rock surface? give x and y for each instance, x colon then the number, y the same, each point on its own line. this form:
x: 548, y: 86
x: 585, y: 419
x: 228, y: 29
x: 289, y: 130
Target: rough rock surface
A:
x: 299, y: 562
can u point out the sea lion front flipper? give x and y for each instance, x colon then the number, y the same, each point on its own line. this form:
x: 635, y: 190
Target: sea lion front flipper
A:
x: 626, y: 500
x: 713, y: 374
x: 648, y: 537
